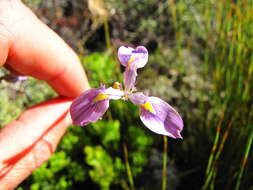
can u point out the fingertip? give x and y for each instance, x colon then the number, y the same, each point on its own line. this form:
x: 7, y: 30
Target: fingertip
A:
x: 72, y: 76
x: 38, y: 51
x: 4, y: 48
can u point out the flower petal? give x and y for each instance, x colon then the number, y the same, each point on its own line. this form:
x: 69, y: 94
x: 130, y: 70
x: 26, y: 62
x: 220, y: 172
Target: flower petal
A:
x: 167, y: 113
x: 84, y: 109
x: 153, y: 123
x: 124, y: 54
x: 161, y: 118
x: 114, y: 94
x: 141, y: 56
x: 137, y: 98
x: 130, y: 75
x: 135, y: 58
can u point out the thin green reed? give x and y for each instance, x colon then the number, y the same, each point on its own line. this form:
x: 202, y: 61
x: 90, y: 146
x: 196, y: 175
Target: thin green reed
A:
x: 244, y: 160
x: 176, y: 10
x: 216, y: 139
x: 107, y: 35
x: 223, y: 141
x: 164, y: 171
x: 213, y: 173
x: 210, y: 165
x: 212, y: 186
x: 128, y: 168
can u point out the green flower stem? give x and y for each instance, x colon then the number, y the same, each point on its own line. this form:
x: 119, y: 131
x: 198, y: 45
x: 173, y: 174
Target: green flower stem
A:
x: 165, y: 151
x: 128, y: 168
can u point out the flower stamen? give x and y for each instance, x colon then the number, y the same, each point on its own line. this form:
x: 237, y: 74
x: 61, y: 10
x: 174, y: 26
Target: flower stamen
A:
x: 116, y: 85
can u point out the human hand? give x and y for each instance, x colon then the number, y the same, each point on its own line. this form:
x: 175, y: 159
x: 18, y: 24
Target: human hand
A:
x: 28, y: 47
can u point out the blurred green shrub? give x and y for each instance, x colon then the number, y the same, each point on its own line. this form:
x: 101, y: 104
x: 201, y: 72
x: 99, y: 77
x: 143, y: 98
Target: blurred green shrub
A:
x: 101, y: 68
x: 103, y: 172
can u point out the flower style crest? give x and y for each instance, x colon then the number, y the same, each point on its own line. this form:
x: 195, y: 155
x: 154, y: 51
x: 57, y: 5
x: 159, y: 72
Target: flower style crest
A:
x: 156, y: 114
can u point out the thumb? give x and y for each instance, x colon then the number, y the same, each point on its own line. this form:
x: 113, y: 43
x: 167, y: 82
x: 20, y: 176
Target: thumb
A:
x: 30, y: 140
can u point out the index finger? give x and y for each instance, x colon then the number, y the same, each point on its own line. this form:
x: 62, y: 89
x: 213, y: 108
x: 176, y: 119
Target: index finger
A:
x: 35, y: 50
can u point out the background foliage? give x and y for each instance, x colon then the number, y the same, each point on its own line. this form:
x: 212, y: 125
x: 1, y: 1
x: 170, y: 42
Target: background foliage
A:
x: 200, y: 61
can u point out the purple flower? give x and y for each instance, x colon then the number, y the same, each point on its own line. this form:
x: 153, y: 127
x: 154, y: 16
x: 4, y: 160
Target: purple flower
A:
x: 157, y: 115
x: 92, y: 104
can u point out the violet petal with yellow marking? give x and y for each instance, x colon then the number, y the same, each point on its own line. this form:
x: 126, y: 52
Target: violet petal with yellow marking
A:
x: 158, y: 116
x: 92, y: 104
x: 134, y: 58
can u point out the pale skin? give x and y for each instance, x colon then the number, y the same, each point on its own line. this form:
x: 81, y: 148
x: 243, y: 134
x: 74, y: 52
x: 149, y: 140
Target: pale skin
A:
x: 28, y: 47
